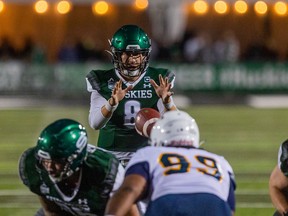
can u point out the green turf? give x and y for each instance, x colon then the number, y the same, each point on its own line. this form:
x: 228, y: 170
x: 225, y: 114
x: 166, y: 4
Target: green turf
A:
x: 249, y: 138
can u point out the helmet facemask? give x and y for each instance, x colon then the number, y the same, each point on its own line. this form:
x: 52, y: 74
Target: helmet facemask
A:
x: 132, y: 41
x: 70, y: 165
x: 63, y: 147
x: 126, y: 68
x: 62, y: 174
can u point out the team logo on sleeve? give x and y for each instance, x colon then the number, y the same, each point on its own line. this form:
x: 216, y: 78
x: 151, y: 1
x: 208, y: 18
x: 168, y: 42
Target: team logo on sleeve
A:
x: 44, y: 189
x: 111, y: 83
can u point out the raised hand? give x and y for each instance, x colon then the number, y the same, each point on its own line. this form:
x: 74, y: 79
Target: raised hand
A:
x: 118, y: 93
x: 163, y: 89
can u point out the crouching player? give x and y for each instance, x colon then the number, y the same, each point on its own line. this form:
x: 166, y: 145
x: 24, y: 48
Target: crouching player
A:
x: 278, y: 183
x: 175, y: 175
x: 70, y: 176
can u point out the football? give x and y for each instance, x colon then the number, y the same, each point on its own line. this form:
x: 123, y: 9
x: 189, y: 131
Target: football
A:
x: 145, y: 119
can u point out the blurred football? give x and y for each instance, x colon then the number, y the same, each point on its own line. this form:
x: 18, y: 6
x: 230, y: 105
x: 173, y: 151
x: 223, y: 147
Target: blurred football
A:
x: 145, y: 119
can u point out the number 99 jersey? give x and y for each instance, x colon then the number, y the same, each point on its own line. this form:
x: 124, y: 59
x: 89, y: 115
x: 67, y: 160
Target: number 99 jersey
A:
x: 176, y: 170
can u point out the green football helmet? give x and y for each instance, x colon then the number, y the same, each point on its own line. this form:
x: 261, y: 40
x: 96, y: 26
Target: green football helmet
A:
x: 63, y: 140
x: 132, y: 40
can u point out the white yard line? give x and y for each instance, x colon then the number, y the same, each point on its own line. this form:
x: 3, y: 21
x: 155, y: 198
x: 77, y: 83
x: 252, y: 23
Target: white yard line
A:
x: 253, y: 205
x: 19, y: 205
x: 15, y: 193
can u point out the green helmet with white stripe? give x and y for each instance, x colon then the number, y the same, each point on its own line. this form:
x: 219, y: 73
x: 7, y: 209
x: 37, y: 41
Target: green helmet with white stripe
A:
x: 63, y: 140
x: 133, y: 40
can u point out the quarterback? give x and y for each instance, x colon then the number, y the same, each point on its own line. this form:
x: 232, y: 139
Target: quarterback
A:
x: 175, y: 176
x: 119, y: 93
x: 278, y: 183
x: 70, y: 176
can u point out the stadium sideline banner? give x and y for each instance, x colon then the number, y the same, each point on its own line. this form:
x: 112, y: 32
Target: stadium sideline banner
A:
x: 66, y: 79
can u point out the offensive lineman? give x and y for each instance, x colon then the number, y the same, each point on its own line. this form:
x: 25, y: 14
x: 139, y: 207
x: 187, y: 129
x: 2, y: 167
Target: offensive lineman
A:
x: 175, y: 175
x: 119, y: 93
x: 69, y: 176
x: 278, y: 183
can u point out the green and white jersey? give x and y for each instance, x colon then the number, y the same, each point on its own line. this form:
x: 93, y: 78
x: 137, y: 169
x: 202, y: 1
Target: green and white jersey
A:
x: 119, y: 133
x: 99, y: 173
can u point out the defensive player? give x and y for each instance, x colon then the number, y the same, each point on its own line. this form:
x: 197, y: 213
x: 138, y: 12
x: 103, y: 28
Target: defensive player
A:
x: 278, y: 183
x: 119, y: 93
x: 175, y: 175
x: 70, y: 176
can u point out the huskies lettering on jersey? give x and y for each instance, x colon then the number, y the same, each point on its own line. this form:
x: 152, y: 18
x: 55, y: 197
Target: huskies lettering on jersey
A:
x: 54, y: 199
x: 139, y: 94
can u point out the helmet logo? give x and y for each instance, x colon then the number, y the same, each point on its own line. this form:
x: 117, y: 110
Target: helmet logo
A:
x: 43, y: 154
x: 133, y: 47
x: 81, y: 143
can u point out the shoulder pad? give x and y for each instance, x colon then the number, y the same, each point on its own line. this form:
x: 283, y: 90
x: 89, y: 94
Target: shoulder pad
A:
x: 284, y: 157
x: 164, y: 72
x: 27, y: 158
x: 93, y: 79
x: 98, y: 157
x: 96, y: 78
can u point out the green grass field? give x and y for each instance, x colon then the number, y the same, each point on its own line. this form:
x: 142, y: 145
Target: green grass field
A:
x: 249, y: 138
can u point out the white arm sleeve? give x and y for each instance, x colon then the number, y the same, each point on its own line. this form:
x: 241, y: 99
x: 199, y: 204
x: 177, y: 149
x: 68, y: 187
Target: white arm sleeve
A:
x: 161, y: 107
x: 96, y: 118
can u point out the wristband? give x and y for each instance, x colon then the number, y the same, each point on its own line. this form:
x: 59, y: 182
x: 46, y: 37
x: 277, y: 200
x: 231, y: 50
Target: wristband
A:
x: 110, y: 108
x: 169, y: 105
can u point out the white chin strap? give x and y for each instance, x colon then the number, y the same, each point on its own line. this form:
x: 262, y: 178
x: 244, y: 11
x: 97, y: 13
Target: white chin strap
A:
x: 133, y: 73
x: 62, y: 176
x: 56, y: 179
